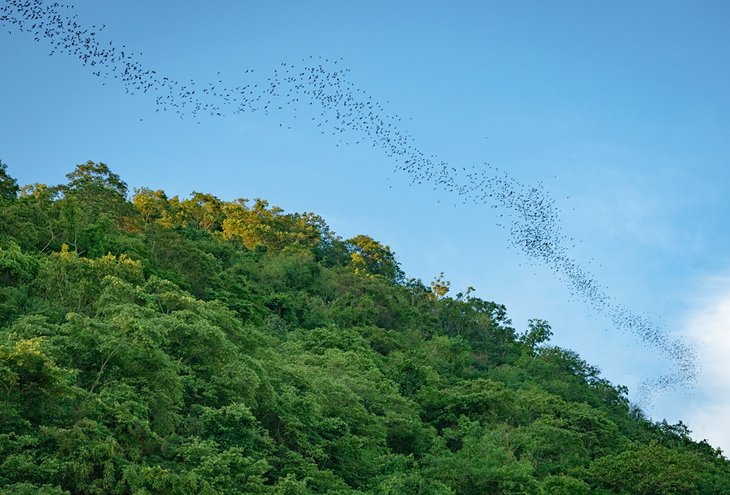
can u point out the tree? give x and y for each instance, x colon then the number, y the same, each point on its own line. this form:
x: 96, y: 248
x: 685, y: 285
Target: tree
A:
x: 204, y: 211
x: 648, y: 469
x: 225, y: 348
x: 538, y: 331
x: 153, y: 206
x: 8, y: 186
x: 94, y: 211
x: 440, y: 286
x: 370, y: 257
x: 91, y: 178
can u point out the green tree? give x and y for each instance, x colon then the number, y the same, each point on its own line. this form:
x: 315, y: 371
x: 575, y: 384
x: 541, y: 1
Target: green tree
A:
x: 198, y: 346
x: 8, y: 186
x: 648, y: 469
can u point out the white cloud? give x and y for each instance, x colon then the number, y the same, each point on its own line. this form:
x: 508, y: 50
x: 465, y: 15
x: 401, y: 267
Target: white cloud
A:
x: 708, y: 327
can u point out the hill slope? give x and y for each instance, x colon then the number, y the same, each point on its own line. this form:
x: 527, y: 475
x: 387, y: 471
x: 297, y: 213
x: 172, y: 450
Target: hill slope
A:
x: 196, y: 346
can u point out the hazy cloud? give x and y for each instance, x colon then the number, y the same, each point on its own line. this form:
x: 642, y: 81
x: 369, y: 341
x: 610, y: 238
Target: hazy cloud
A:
x: 707, y: 326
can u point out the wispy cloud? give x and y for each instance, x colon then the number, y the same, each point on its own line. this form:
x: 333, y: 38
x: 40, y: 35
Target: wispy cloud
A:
x: 707, y: 326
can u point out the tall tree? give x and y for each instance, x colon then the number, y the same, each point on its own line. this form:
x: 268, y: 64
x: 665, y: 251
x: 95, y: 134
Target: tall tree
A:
x: 8, y: 186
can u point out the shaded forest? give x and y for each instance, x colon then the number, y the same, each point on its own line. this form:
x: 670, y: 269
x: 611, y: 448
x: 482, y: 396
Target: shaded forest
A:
x: 159, y: 345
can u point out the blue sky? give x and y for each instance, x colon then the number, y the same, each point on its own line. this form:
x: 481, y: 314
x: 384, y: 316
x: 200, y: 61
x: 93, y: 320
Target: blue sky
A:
x: 620, y: 109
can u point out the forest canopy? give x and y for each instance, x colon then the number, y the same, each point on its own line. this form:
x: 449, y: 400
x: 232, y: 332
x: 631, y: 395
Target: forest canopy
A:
x: 164, y: 345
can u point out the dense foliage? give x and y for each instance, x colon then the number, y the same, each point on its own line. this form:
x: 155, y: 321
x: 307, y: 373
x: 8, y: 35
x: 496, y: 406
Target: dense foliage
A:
x: 198, y: 346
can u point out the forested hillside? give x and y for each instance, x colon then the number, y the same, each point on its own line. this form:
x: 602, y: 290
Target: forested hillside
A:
x: 159, y: 345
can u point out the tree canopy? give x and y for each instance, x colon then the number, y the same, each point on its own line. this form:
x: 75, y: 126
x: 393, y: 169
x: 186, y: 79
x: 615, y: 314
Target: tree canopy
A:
x: 159, y: 345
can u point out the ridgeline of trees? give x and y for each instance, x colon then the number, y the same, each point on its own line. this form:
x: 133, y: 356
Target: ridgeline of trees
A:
x: 198, y: 346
